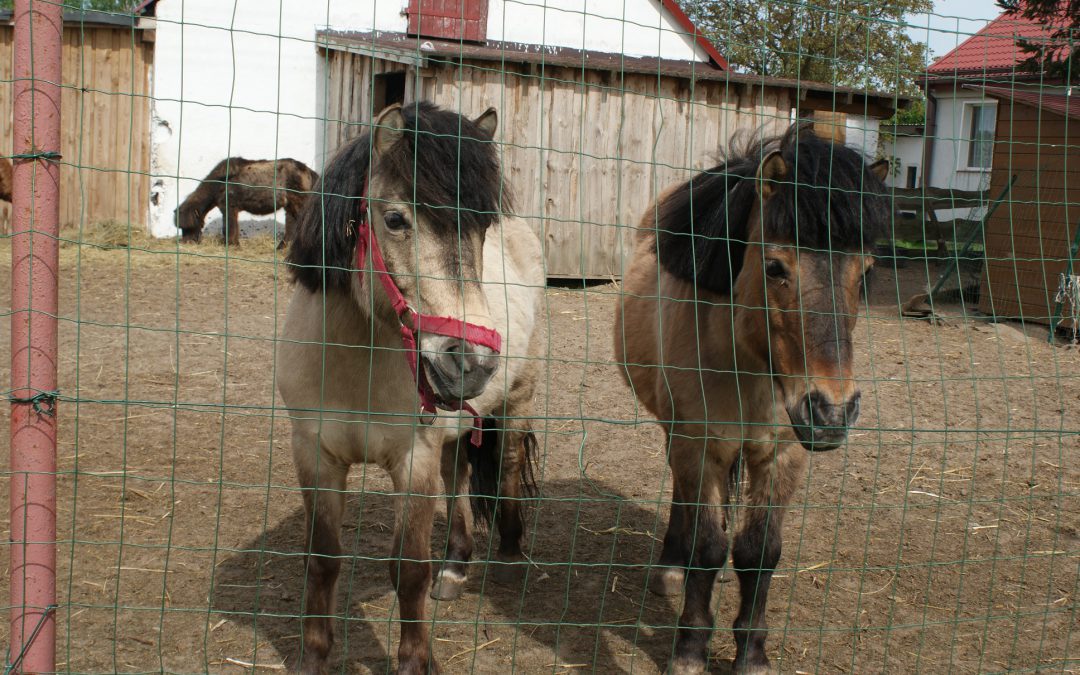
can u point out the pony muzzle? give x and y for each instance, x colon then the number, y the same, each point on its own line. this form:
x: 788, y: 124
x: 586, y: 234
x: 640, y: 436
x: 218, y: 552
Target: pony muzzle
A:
x: 456, y: 369
x: 821, y: 424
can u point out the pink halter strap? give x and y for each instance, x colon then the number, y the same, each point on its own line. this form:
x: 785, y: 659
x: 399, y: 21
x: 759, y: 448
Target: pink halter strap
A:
x: 413, y: 322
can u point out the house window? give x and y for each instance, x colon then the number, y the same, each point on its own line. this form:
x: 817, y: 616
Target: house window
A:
x: 980, y: 135
x: 388, y: 89
x: 912, y: 177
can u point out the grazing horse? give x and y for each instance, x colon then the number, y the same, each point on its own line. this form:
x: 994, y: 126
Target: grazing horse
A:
x: 415, y: 302
x: 734, y: 329
x: 257, y: 186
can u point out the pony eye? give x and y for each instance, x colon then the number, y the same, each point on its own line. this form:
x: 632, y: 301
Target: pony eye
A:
x: 775, y: 269
x: 395, y: 221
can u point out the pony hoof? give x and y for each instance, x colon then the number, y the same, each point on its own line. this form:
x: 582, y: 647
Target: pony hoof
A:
x: 419, y: 667
x: 753, y: 668
x: 685, y: 666
x: 667, y: 582
x: 449, y: 585
x: 309, y: 667
x: 507, y: 572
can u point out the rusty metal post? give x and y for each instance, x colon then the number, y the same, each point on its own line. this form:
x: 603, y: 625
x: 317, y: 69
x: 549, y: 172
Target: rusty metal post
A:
x: 34, y: 275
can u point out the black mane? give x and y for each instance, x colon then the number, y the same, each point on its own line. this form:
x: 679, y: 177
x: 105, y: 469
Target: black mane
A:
x: 828, y: 201
x: 451, y: 164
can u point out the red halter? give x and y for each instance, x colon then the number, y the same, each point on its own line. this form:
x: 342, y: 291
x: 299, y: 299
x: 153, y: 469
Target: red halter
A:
x: 413, y: 322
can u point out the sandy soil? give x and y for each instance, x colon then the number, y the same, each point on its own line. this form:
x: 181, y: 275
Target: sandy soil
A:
x: 944, y: 536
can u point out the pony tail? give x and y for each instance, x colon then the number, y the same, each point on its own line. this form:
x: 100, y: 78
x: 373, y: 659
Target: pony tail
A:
x: 486, y: 463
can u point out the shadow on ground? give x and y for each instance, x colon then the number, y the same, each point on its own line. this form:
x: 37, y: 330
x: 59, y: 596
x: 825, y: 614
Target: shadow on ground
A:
x: 582, y: 607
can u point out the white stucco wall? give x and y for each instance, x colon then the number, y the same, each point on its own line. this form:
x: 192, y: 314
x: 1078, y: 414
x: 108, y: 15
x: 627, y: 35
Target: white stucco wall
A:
x: 631, y: 27
x: 862, y: 134
x: 949, y: 155
x: 908, y: 151
x: 241, y: 78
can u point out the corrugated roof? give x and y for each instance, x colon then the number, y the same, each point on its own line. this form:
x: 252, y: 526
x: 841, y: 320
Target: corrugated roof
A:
x: 993, y: 50
x: 1061, y: 103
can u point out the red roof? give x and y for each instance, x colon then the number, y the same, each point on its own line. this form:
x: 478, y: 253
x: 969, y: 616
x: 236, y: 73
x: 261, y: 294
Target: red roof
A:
x: 684, y: 21
x: 1062, y: 104
x: 993, y: 50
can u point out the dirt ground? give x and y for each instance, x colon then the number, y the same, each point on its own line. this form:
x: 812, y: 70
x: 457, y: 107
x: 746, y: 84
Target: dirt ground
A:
x: 944, y: 536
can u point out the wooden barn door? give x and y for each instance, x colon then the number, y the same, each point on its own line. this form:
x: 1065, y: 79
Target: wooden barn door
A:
x: 449, y: 19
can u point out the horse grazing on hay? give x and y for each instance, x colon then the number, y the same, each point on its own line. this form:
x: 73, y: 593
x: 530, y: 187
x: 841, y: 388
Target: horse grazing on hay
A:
x: 257, y: 186
x: 413, y: 294
x: 734, y: 328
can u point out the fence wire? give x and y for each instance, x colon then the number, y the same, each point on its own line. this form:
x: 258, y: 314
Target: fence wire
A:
x: 943, y: 534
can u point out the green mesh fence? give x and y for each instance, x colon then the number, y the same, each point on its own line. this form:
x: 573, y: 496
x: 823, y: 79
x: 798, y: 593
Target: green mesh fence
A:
x: 942, y: 535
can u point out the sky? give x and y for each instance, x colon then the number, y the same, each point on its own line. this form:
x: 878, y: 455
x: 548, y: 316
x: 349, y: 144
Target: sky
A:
x: 951, y: 22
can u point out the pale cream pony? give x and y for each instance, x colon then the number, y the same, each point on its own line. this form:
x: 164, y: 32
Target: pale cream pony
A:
x: 422, y: 197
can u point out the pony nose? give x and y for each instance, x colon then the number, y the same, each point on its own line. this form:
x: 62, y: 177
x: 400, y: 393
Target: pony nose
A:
x: 824, y: 413
x: 821, y: 424
x: 460, y: 370
x: 464, y: 359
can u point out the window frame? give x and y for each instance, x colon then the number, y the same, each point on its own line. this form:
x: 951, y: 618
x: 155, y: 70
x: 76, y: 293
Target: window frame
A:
x: 967, y: 147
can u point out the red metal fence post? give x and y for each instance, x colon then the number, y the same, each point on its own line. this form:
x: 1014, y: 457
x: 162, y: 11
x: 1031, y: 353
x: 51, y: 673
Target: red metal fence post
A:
x: 34, y: 274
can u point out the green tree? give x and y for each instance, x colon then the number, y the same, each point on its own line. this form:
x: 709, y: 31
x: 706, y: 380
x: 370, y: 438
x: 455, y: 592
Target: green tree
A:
x: 1057, y: 56
x: 848, y: 42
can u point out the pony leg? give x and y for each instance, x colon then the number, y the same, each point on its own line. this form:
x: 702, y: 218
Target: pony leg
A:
x: 450, y: 581
x: 668, y: 579
x: 774, y: 475
x: 703, y: 486
x: 292, y: 212
x: 518, y: 448
x: 416, y: 478
x: 232, y: 226
x: 323, y: 484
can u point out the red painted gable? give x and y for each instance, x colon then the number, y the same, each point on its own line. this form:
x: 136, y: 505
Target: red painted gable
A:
x: 466, y: 20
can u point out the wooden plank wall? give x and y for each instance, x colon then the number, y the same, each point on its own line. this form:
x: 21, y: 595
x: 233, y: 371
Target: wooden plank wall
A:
x: 1028, y: 237
x: 105, y: 134
x: 585, y: 151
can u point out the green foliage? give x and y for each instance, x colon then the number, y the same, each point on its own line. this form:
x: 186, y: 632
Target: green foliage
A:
x: 915, y: 114
x: 116, y: 6
x: 847, y: 42
x: 1057, y: 56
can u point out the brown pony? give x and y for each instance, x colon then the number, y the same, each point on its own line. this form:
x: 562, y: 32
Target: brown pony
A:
x: 257, y: 186
x: 425, y: 192
x: 735, y: 331
x: 6, y: 179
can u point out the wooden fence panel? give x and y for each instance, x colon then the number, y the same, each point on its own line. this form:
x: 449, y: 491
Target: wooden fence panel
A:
x: 105, y: 135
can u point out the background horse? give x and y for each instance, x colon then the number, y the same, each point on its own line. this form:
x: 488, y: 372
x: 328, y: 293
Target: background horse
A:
x: 257, y: 186
x: 415, y: 206
x: 735, y: 328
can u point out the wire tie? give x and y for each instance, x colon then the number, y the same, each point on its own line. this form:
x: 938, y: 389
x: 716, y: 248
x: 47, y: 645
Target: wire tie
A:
x: 49, y: 609
x: 44, y: 402
x: 50, y: 155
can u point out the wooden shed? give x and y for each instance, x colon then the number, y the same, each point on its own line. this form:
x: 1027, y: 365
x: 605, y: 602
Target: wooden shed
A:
x: 588, y: 139
x: 1029, y: 238
x: 105, y: 108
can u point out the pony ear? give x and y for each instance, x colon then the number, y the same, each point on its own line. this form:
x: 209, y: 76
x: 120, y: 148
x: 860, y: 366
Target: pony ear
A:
x: 880, y: 169
x: 389, y: 126
x: 488, y: 121
x: 771, y: 170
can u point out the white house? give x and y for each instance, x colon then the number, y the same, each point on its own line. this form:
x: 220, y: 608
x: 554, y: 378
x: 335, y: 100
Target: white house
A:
x: 961, y: 117
x: 243, y: 78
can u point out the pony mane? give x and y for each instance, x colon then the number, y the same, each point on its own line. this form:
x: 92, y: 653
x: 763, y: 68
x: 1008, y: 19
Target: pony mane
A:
x: 449, y: 163
x: 829, y: 200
